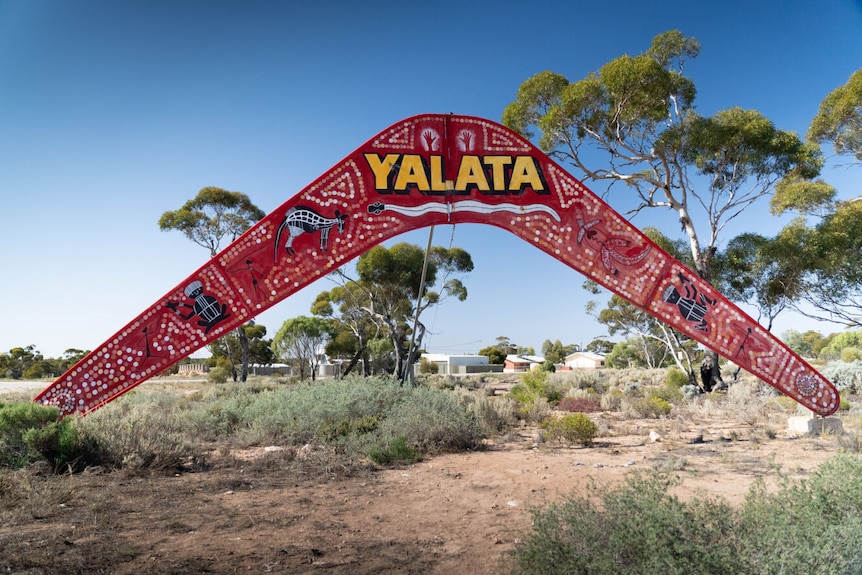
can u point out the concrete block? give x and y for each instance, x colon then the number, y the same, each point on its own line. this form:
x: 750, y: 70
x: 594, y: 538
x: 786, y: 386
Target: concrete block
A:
x: 804, y: 425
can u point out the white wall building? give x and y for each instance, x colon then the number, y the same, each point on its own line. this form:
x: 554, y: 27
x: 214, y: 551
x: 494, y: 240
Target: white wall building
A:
x: 457, y: 364
x: 584, y: 360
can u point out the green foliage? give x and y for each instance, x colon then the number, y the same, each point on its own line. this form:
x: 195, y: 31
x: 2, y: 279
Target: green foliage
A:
x: 392, y: 275
x: 27, y: 363
x: 357, y: 414
x: 212, y: 216
x: 676, y: 378
x: 637, y: 527
x: 426, y: 366
x: 669, y: 392
x: 851, y: 354
x: 16, y: 420
x: 612, y: 400
x: 807, y: 344
x: 839, y: 119
x: 218, y: 375
x: 299, y: 340
x: 839, y: 342
x: 650, y: 406
x: 396, y: 452
x: 555, y: 351
x: 811, y: 526
x: 496, y: 355
x: 431, y: 421
x: 571, y: 428
x: 845, y: 376
x: 346, y: 427
x: 60, y: 444
x: 534, y: 386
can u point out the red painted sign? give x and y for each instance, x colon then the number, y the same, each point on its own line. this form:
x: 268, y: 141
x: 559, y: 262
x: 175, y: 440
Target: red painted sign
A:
x: 422, y: 171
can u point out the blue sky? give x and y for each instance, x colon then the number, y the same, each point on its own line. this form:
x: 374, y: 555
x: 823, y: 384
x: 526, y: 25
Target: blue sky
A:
x: 113, y: 112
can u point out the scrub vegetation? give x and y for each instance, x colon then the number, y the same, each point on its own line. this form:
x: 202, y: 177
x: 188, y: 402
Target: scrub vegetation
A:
x: 351, y: 429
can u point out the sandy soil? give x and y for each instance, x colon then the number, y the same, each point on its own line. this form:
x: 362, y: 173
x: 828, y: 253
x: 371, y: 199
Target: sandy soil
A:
x: 456, y: 513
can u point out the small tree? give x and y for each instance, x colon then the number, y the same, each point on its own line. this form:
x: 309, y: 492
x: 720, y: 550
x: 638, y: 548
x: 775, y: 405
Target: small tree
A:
x: 382, y: 299
x: 300, y: 340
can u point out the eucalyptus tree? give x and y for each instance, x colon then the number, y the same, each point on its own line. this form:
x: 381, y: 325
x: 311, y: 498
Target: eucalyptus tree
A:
x: 354, y: 327
x: 300, y: 340
x: 839, y: 119
x: 823, y: 246
x: 634, y: 122
x: 212, y: 217
x: 382, y: 300
x: 750, y: 272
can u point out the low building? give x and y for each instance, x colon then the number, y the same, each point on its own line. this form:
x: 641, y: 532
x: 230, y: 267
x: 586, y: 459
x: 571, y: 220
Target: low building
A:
x: 584, y: 360
x: 458, y: 364
x: 192, y: 369
x: 521, y: 363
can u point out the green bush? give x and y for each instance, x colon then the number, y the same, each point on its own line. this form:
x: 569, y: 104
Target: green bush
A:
x: 571, y: 428
x: 851, y: 354
x: 357, y: 414
x: 61, y: 445
x: 812, y: 527
x: 218, y: 375
x: 427, y: 366
x: 432, y: 421
x: 535, y: 385
x: 676, y: 378
x: 16, y: 419
x: 652, y: 406
x: 637, y: 527
x: 396, y: 452
x: 845, y: 376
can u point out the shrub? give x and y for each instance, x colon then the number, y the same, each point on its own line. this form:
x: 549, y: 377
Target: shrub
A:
x: 427, y: 366
x: 134, y: 434
x: 16, y: 419
x: 571, y: 428
x: 851, y: 354
x: 534, y: 385
x: 637, y: 527
x: 676, y: 378
x: 811, y: 526
x: 668, y: 392
x: 689, y: 391
x: 589, y: 379
x: 397, y: 452
x: 845, y: 376
x: 431, y: 421
x: 60, y: 444
x: 346, y: 427
x: 493, y: 414
x: 218, y: 375
x: 644, y: 407
x: 612, y: 400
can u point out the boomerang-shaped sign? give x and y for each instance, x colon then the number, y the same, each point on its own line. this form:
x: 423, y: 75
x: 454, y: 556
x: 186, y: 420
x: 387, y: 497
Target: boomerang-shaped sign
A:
x: 422, y: 171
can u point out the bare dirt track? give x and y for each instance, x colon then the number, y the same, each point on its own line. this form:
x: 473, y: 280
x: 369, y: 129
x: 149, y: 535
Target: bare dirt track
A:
x: 256, y: 511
